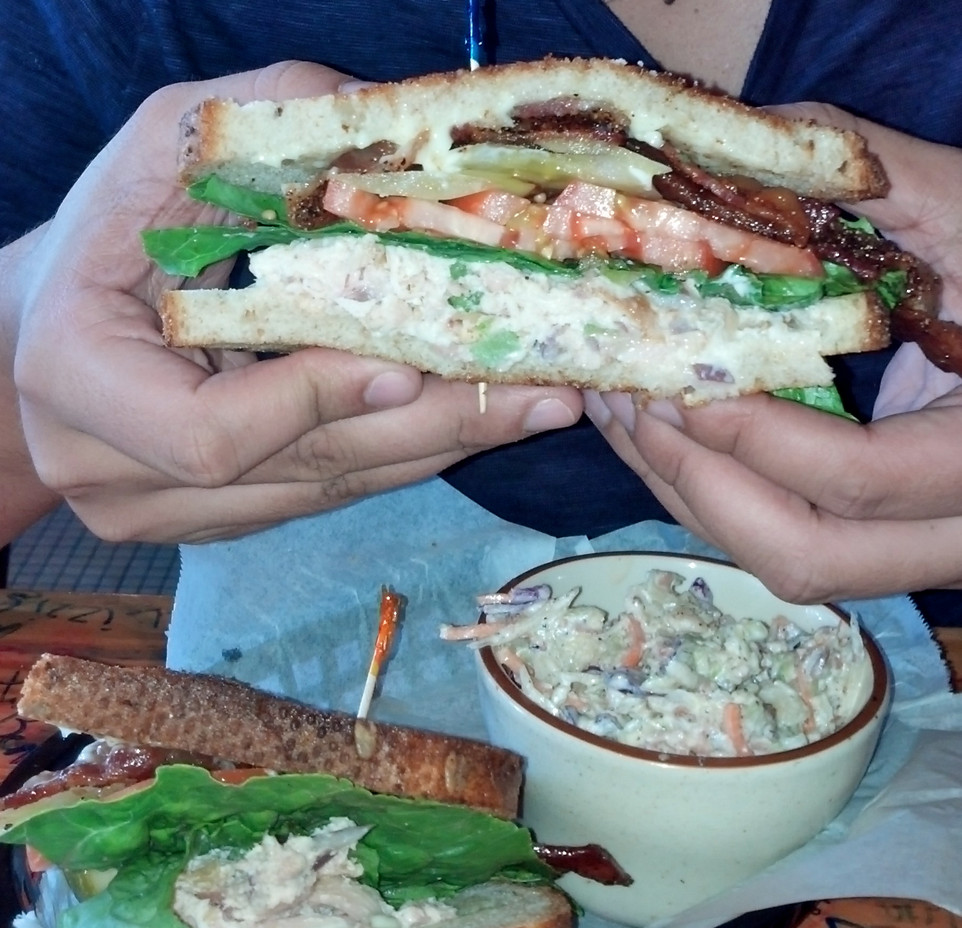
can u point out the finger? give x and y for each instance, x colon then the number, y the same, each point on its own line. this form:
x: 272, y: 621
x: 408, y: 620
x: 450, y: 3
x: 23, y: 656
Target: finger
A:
x: 447, y: 420
x: 192, y: 427
x: 801, y: 553
x: 911, y: 381
x: 846, y: 469
x: 191, y: 514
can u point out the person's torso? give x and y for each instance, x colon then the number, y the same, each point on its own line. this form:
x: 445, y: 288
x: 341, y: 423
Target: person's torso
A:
x: 890, y: 60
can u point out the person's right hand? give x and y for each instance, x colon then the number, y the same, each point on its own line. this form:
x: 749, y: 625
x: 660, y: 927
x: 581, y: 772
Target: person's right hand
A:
x: 147, y: 443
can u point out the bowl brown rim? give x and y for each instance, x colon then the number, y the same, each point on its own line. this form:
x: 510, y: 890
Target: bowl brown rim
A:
x: 876, y: 700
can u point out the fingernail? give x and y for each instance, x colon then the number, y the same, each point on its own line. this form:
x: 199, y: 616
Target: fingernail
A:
x: 595, y: 409
x: 353, y: 85
x: 389, y: 389
x: 622, y: 407
x: 666, y: 411
x: 548, y: 414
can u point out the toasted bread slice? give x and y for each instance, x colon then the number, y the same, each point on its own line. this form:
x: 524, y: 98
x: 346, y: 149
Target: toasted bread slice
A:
x: 492, y: 322
x: 498, y: 904
x: 266, y: 145
x: 220, y: 718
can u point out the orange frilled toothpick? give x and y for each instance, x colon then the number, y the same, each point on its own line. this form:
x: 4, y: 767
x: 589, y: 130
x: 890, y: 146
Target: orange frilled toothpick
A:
x: 390, y: 614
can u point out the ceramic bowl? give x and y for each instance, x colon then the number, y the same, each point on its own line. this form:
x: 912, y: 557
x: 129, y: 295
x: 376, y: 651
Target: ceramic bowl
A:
x: 683, y: 827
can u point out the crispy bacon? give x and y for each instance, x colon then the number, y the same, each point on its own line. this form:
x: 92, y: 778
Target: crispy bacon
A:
x: 741, y: 202
x: 590, y: 861
x: 101, y: 766
x: 376, y: 157
x: 564, y: 117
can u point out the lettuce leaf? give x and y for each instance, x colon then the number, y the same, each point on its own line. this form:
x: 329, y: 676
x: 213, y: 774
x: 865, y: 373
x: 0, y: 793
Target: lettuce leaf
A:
x: 187, y: 251
x: 414, y: 848
x: 826, y: 399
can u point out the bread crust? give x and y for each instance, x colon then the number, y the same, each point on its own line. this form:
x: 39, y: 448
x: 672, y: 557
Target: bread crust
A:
x: 223, y: 718
x: 267, y: 144
x: 499, y: 904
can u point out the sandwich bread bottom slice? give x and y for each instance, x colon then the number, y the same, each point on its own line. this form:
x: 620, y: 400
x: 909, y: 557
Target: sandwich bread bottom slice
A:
x: 488, y: 320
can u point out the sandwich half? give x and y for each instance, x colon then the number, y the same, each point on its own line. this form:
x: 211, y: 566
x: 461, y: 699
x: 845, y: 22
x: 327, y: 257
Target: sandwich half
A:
x: 206, y: 803
x: 583, y: 222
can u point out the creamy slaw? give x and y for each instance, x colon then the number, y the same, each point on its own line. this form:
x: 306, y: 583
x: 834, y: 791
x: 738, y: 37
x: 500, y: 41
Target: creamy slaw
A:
x: 673, y: 673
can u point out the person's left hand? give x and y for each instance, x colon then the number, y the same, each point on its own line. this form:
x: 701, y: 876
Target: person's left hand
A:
x: 819, y: 507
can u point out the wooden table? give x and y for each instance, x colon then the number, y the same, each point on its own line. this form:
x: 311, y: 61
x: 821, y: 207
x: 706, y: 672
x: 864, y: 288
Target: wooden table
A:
x: 130, y: 629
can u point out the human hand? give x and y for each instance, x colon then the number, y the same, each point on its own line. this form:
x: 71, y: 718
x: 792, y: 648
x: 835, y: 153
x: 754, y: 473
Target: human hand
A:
x: 149, y: 443
x: 817, y: 506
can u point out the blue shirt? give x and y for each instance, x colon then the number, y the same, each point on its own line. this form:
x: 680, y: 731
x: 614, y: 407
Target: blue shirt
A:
x: 75, y: 72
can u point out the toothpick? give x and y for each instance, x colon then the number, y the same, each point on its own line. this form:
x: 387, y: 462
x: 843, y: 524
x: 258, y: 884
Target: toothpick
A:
x: 390, y: 612
x: 477, y: 56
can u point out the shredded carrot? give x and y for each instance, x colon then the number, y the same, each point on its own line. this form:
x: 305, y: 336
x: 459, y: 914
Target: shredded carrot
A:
x: 636, y: 644
x: 576, y: 702
x: 803, y: 686
x: 732, y: 726
x: 471, y: 632
x: 509, y: 659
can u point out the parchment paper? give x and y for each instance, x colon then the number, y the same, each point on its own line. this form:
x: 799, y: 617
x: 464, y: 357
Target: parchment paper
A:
x: 294, y: 610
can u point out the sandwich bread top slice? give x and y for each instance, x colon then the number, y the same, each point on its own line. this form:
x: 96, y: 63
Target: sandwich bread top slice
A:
x: 217, y: 718
x: 266, y: 145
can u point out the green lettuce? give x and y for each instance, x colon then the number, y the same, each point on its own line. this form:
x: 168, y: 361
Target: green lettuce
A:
x: 187, y: 250
x: 414, y: 848
x: 826, y: 398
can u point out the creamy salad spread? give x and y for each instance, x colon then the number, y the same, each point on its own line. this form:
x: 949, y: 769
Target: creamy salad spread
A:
x: 673, y: 673
x: 307, y: 881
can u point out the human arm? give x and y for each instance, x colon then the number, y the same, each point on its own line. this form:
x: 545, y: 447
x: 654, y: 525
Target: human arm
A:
x: 152, y: 444
x: 820, y: 507
x: 23, y: 497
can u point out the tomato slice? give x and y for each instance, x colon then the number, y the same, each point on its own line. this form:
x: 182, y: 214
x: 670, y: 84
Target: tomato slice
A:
x: 497, y: 205
x: 761, y: 254
x: 590, y: 199
x: 583, y: 219
x: 379, y: 214
x: 382, y: 214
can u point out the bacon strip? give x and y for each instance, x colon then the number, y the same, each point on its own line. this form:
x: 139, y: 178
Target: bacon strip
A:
x: 101, y: 766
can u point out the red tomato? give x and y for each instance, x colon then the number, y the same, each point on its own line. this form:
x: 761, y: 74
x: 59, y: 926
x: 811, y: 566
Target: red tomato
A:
x: 376, y: 213
x: 445, y: 220
x: 591, y: 199
x: 497, y: 205
x: 761, y: 254
x: 733, y: 246
x: 382, y: 214
x: 583, y: 219
x: 656, y: 217
x: 678, y: 255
